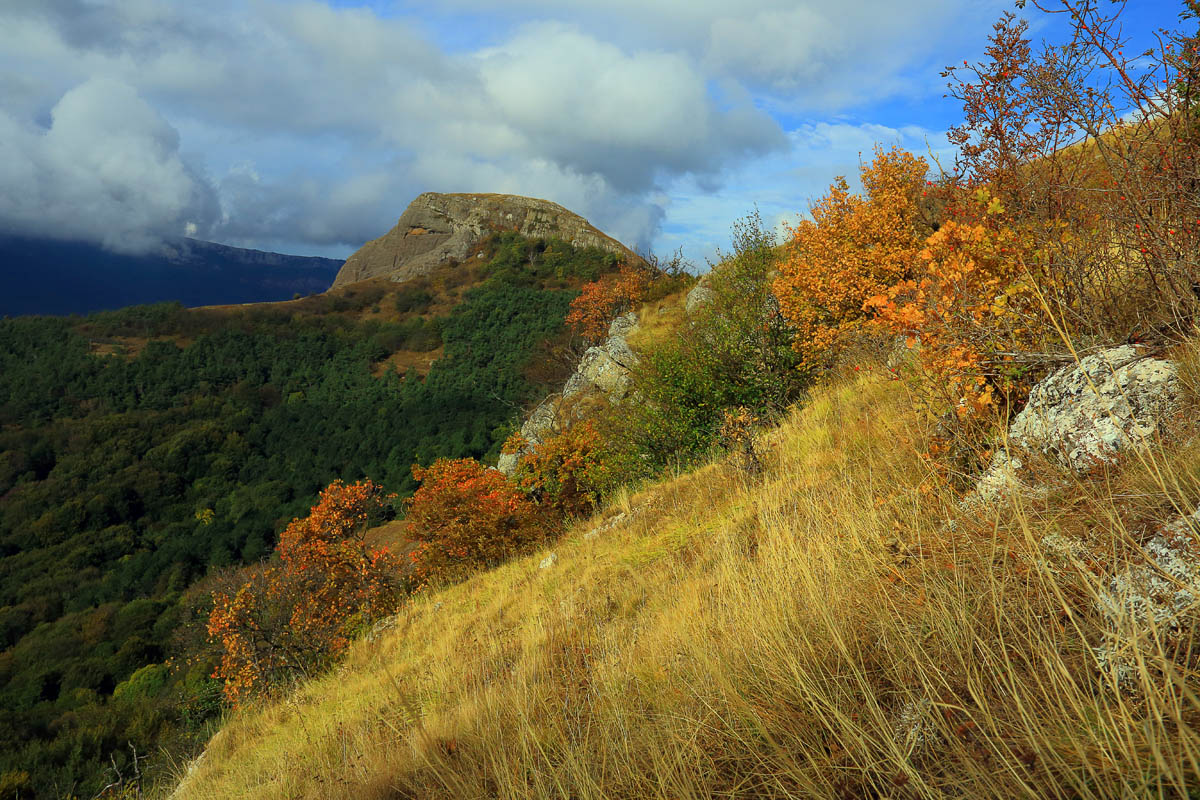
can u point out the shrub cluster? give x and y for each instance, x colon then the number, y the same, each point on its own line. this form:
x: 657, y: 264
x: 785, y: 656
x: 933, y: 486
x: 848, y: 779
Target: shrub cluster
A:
x: 602, y: 300
x: 468, y: 516
x: 288, y: 618
x: 1070, y: 221
x: 733, y: 352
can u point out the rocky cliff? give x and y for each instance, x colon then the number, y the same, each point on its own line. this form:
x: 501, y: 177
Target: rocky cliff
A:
x: 604, y: 369
x: 1083, y: 416
x: 438, y: 228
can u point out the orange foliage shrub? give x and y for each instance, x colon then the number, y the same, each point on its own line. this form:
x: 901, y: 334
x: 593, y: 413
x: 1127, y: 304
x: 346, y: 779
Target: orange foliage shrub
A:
x: 975, y: 308
x: 466, y: 515
x: 292, y: 617
x: 601, y: 300
x: 1103, y: 143
x: 853, y: 248
x: 566, y: 472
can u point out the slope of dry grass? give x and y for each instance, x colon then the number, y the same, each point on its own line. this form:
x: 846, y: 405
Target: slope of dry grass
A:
x: 821, y: 632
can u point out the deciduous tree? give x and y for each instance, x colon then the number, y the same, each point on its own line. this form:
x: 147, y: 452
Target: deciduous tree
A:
x: 292, y: 617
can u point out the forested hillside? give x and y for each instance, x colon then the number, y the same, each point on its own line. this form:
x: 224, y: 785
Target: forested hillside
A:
x: 140, y: 450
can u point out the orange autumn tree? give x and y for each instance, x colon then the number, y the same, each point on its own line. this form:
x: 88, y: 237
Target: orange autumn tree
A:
x: 292, y: 617
x: 602, y: 300
x: 853, y: 248
x: 466, y: 515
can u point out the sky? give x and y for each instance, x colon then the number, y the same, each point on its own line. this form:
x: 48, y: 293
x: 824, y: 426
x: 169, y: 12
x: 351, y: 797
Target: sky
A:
x: 307, y: 126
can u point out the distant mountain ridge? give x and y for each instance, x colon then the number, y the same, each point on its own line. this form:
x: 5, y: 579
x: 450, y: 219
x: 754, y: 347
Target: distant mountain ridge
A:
x: 439, y: 228
x: 47, y: 276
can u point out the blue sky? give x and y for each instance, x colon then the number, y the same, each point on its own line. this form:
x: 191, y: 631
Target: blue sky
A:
x: 308, y: 126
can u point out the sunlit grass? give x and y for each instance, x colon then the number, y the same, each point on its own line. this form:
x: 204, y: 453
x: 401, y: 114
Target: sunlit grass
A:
x: 836, y: 628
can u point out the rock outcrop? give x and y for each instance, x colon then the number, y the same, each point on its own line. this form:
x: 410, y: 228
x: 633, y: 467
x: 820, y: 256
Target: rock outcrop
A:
x: 700, y: 295
x: 1086, y: 414
x: 605, y: 369
x: 440, y: 228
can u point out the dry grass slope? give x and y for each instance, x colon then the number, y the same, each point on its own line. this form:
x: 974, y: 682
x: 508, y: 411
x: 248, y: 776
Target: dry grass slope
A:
x: 821, y: 632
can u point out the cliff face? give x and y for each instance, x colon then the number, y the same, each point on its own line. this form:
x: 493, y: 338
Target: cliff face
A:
x: 436, y: 228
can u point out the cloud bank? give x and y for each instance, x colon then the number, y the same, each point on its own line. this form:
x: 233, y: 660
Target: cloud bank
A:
x: 305, y: 126
x: 107, y: 169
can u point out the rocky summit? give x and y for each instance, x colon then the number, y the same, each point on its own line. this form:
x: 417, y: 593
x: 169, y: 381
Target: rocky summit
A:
x: 440, y: 228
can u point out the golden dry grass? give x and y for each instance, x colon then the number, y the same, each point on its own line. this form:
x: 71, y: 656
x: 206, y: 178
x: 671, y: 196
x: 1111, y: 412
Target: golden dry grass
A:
x: 659, y: 320
x: 838, y: 628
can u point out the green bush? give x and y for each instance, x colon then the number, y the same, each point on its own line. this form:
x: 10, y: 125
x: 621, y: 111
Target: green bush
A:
x: 519, y: 261
x: 148, y: 682
x: 735, y: 352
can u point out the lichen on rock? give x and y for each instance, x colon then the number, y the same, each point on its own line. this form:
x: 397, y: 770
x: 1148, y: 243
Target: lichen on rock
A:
x: 1085, y: 415
x: 605, y: 369
x: 700, y: 295
x: 1156, y: 596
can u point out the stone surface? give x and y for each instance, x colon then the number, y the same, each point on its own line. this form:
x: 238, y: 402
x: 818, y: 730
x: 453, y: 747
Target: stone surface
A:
x: 700, y: 296
x: 542, y: 423
x: 604, y: 368
x: 438, y: 228
x: 1086, y: 414
x: 1161, y: 594
x: 607, y: 525
x: 548, y: 561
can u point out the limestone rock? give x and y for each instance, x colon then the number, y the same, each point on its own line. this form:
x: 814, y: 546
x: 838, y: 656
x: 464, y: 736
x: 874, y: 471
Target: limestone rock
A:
x: 1160, y: 593
x: 604, y: 368
x: 542, y: 424
x: 548, y: 561
x: 1087, y: 414
x: 607, y: 525
x: 438, y: 228
x: 607, y: 367
x: 700, y: 296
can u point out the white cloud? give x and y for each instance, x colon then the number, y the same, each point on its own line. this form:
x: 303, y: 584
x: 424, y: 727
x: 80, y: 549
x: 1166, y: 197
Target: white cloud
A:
x: 783, y: 185
x: 629, y: 118
x: 801, y: 54
x: 343, y: 115
x: 108, y: 169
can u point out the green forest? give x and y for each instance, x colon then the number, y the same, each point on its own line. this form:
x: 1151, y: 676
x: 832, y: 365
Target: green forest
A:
x: 144, y: 449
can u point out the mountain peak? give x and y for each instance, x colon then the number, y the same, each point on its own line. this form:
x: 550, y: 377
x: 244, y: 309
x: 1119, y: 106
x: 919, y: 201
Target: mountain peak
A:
x: 437, y: 228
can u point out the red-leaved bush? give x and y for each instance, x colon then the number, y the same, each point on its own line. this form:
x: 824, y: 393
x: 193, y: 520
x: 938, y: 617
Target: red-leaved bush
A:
x: 467, y: 515
x: 601, y: 300
x: 290, y: 618
x: 566, y: 473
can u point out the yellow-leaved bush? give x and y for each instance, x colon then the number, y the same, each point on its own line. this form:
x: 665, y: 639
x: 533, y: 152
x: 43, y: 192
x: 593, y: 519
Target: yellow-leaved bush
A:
x: 966, y: 290
x: 975, y: 306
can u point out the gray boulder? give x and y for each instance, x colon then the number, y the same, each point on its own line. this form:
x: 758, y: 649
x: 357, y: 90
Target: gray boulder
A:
x: 700, y: 296
x: 542, y: 424
x: 605, y: 368
x: 1087, y: 414
x: 1156, y: 594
